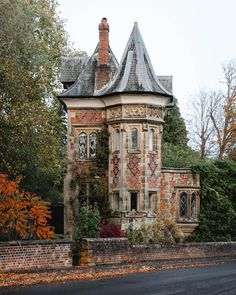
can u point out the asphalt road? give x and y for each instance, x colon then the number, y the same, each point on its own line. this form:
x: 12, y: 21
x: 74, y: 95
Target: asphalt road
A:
x: 212, y: 280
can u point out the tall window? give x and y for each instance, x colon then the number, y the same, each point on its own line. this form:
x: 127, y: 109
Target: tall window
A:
x: 183, y: 204
x: 116, y: 201
x: 134, y: 139
x: 117, y: 140
x: 150, y: 139
x: 193, y: 205
x: 133, y: 201
x: 87, y: 145
x: 83, y: 145
x: 92, y: 145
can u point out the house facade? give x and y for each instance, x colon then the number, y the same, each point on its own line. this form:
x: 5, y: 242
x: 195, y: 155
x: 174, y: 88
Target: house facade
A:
x: 132, y: 102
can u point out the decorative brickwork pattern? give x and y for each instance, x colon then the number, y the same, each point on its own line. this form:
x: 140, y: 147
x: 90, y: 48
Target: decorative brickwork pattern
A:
x: 34, y: 255
x: 152, y: 170
x: 133, y: 179
x: 89, y: 117
x: 108, y: 251
x: 84, y: 167
x: 115, y: 171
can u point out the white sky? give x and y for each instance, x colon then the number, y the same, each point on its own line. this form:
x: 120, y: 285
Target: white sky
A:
x: 188, y: 39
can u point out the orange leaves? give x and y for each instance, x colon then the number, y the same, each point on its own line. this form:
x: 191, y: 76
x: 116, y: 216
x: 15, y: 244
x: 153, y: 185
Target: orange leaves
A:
x: 22, y: 215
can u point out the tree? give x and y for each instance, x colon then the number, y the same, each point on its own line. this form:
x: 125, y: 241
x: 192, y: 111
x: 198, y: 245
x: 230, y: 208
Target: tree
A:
x: 22, y: 215
x: 175, y: 152
x: 212, y: 125
x: 218, y: 201
x: 175, y: 130
x: 32, y: 38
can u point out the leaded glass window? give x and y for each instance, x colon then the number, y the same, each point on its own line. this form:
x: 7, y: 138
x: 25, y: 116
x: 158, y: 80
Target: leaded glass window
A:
x: 82, y: 146
x: 183, y: 204
x: 134, y: 139
x: 193, y: 205
x: 92, y: 145
x: 150, y: 139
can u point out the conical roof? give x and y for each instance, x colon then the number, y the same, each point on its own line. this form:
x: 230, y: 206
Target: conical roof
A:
x: 135, y: 73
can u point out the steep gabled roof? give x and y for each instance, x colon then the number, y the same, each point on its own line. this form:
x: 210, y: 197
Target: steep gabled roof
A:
x: 135, y: 73
x: 85, y: 83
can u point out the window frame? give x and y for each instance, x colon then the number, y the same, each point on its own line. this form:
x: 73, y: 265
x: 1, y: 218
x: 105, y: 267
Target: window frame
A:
x: 189, y: 217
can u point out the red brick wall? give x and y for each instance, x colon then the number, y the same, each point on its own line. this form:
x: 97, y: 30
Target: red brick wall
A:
x: 25, y: 255
x: 118, y: 250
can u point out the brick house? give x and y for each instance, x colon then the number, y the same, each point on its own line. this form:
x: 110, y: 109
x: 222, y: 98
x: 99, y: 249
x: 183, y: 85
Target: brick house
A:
x: 133, y: 102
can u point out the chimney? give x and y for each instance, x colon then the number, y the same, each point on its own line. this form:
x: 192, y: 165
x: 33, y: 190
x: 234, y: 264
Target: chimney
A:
x: 103, y: 71
x: 103, y: 42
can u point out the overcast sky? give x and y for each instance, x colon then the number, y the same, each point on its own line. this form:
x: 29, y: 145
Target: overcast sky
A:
x: 188, y: 39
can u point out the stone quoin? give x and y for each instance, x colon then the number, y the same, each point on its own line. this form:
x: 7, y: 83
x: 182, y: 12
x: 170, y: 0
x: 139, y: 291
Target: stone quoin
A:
x: 132, y: 101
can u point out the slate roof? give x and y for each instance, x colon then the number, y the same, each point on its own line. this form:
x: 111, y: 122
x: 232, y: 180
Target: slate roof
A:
x: 84, y: 85
x: 135, y: 73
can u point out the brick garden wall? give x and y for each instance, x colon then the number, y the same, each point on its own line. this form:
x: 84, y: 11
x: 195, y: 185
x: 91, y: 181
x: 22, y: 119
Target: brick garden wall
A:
x: 26, y: 255
x: 118, y: 250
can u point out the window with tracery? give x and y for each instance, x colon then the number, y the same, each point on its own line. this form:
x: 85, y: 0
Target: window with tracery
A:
x: 188, y: 204
x: 87, y: 145
x: 92, y: 144
x: 134, y: 138
x: 83, y: 145
x: 183, y: 204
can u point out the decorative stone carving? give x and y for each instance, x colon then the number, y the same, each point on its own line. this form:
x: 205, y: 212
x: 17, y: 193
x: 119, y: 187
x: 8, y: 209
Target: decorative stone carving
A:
x: 114, y: 113
x: 134, y: 111
x: 154, y: 113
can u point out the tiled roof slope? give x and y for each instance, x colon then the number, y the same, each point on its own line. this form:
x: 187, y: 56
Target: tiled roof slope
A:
x: 135, y: 73
x: 71, y: 67
x: 85, y: 83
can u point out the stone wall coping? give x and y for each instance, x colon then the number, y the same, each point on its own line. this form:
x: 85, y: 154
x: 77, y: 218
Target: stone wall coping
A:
x: 180, y: 170
x: 104, y: 239
x: 34, y: 242
x: 158, y: 245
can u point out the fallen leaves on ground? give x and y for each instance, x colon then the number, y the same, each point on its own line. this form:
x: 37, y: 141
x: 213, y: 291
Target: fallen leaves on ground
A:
x: 85, y: 273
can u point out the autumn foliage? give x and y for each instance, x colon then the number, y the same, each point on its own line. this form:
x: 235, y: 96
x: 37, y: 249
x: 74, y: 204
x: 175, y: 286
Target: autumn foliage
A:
x: 22, y: 215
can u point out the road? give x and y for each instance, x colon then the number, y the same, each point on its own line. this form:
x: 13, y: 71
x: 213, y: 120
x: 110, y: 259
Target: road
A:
x: 211, y: 280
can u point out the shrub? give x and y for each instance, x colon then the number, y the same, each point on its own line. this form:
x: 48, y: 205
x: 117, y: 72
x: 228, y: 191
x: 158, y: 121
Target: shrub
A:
x: 22, y: 215
x: 162, y: 231
x: 111, y: 231
x: 87, y: 226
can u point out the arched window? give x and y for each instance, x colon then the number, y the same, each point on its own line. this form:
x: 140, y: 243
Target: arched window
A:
x: 117, y: 140
x: 83, y: 145
x: 183, y: 204
x: 134, y: 139
x: 150, y: 139
x: 193, y: 206
x: 92, y: 144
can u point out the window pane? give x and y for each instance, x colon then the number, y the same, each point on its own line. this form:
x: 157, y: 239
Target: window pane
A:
x: 183, y: 205
x: 92, y: 145
x: 116, y: 201
x: 134, y: 139
x: 150, y: 139
x: 117, y: 140
x: 193, y: 205
x: 83, y: 146
x: 133, y: 201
